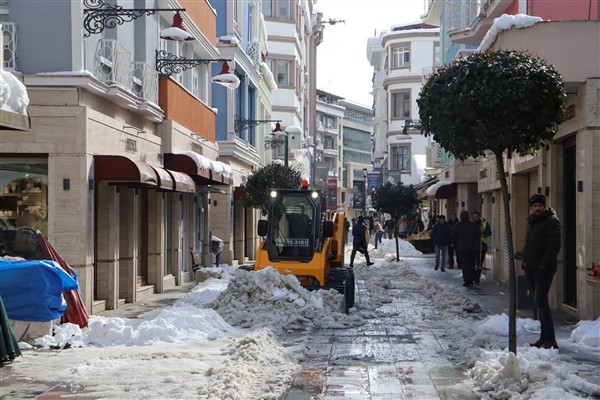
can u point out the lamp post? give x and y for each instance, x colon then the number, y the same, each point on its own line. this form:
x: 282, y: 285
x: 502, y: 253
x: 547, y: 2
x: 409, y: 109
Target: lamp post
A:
x: 278, y: 132
x: 364, y: 171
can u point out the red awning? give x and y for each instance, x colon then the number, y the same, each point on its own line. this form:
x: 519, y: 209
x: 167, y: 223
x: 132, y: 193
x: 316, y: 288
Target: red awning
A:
x: 202, y: 173
x: 446, y: 191
x: 165, y: 180
x: 121, y: 170
x: 183, y: 183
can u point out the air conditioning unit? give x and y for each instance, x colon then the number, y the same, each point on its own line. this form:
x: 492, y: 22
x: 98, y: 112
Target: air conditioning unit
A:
x: 434, y: 155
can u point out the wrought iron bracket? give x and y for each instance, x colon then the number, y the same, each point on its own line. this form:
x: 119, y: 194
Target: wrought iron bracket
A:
x: 169, y: 64
x: 274, y: 143
x: 241, y: 124
x: 99, y: 15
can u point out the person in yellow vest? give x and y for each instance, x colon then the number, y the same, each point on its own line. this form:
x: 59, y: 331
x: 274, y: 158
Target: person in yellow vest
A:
x: 485, y: 233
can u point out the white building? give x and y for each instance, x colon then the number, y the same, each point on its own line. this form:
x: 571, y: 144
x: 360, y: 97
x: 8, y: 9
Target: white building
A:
x: 401, y: 58
x: 293, y: 35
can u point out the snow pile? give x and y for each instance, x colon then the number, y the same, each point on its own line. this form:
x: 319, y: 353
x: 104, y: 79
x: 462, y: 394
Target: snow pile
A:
x: 268, y: 299
x: 251, y: 358
x: 535, y: 372
x: 13, y: 94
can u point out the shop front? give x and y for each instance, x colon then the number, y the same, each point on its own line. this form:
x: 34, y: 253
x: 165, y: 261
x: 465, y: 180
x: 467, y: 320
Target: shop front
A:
x: 140, y: 230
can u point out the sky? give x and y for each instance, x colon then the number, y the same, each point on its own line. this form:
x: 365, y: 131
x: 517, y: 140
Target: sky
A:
x: 342, y: 65
x: 220, y: 341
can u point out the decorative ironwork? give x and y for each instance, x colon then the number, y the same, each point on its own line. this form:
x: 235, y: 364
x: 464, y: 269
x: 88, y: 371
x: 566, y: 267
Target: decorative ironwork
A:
x: 169, y: 64
x: 274, y: 142
x: 241, y: 124
x: 99, y: 15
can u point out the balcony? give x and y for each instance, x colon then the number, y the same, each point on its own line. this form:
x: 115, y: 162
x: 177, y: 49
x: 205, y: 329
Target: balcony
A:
x: 145, y: 82
x: 9, y: 32
x: 114, y: 64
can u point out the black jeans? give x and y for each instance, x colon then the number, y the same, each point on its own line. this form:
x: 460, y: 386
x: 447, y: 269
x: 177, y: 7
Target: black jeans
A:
x: 540, y: 281
x: 467, y: 263
x: 361, y: 248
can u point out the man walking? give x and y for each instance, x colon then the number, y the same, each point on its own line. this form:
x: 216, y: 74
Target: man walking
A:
x: 359, y: 241
x: 542, y: 244
x: 485, y: 231
x: 465, y: 237
x: 440, y: 233
x: 451, y: 250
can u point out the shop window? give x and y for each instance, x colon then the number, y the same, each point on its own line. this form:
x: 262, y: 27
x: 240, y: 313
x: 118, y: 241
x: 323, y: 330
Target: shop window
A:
x: 23, y: 205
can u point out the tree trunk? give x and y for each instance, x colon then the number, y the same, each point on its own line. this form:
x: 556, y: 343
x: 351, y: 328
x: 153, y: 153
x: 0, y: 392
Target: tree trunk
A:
x: 512, y: 287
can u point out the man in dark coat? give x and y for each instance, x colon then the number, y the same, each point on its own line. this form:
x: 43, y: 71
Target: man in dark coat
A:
x: 440, y: 233
x: 485, y: 232
x: 465, y: 237
x: 542, y: 244
x: 451, y: 250
x: 359, y: 241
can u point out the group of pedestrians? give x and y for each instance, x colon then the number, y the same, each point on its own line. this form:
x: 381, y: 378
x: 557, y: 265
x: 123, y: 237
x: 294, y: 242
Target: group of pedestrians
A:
x: 467, y: 238
x: 465, y: 241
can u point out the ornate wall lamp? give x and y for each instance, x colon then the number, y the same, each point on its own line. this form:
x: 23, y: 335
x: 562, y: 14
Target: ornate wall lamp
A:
x: 99, y: 15
x: 275, y: 142
x: 168, y: 64
x: 241, y: 124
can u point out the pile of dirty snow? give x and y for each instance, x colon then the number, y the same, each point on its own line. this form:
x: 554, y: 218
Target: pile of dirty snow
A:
x: 268, y: 299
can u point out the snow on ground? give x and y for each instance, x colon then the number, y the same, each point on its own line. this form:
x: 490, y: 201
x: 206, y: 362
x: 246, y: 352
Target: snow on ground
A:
x: 221, y: 340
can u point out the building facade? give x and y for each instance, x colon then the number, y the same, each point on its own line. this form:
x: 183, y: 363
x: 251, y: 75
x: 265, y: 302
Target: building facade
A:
x: 401, y: 57
x: 121, y: 163
x: 564, y: 172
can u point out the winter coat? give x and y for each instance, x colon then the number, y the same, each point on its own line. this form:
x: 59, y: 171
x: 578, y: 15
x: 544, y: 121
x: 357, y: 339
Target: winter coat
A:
x: 440, y: 233
x: 465, y: 234
x: 359, y: 234
x: 542, y: 241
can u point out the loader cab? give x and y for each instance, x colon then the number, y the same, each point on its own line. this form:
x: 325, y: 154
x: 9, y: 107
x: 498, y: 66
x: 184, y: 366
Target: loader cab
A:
x: 295, y: 224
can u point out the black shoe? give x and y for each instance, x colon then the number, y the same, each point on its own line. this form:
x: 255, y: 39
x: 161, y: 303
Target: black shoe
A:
x: 370, y: 263
x: 549, y: 344
x: 537, y: 344
x: 436, y: 268
x: 443, y: 270
x: 351, y: 266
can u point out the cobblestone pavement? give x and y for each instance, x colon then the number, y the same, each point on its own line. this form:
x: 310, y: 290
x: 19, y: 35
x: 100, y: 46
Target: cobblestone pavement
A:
x: 396, y: 355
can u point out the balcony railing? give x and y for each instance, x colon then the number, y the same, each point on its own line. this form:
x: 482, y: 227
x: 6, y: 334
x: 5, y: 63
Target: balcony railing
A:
x: 9, y: 32
x: 114, y: 64
x: 145, y: 82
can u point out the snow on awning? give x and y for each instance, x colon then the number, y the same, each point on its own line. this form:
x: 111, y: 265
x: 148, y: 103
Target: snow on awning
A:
x: 202, y: 169
x: 442, y: 190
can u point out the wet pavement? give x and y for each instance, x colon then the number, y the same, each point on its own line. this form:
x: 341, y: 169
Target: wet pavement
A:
x: 394, y: 356
x: 399, y: 353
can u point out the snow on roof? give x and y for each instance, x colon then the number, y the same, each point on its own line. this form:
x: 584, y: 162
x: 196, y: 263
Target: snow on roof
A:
x: 504, y: 22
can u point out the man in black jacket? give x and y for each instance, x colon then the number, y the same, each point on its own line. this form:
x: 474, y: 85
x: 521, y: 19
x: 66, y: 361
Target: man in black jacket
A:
x: 359, y: 241
x: 542, y: 245
x: 465, y: 237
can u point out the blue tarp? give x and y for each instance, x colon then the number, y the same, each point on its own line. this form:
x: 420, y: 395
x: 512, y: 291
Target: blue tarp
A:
x: 32, y: 289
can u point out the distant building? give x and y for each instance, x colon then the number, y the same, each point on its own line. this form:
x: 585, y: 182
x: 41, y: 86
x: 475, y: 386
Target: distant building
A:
x: 401, y: 57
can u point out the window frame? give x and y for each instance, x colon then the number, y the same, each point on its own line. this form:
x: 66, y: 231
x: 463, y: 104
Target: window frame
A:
x: 404, y: 113
x: 274, y: 65
x: 400, y: 158
x: 398, y: 54
x: 274, y: 9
